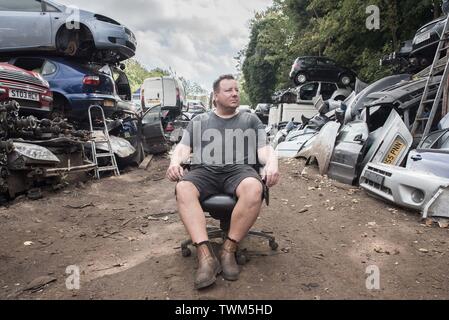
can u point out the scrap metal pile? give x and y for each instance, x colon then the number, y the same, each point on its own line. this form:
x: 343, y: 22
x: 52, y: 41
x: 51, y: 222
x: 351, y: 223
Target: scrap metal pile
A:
x: 35, y: 152
x: 366, y: 140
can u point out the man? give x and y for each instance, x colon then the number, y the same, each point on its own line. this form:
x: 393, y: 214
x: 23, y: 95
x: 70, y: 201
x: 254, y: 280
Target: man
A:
x: 225, y: 145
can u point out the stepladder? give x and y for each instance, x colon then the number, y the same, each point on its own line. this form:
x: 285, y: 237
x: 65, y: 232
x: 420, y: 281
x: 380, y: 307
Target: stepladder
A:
x: 431, y: 102
x: 105, y: 161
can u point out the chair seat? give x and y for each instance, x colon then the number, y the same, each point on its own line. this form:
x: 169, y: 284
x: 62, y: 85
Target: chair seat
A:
x: 220, y: 204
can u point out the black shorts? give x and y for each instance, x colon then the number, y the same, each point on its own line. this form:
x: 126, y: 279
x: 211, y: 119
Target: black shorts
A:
x: 210, y: 181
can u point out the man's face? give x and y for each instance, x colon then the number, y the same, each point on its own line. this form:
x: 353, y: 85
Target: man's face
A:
x: 228, y: 94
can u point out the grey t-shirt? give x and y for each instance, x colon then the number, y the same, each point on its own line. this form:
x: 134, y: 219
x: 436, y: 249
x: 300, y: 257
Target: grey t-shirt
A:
x: 217, y: 142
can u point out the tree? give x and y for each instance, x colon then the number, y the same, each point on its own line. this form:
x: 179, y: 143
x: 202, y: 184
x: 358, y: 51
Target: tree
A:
x: 337, y: 29
x: 137, y: 73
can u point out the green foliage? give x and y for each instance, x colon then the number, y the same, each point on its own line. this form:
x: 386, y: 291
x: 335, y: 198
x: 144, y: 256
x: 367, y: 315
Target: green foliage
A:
x: 137, y: 73
x: 336, y: 29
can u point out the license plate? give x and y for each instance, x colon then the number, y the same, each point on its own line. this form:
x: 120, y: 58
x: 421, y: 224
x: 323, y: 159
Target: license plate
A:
x: 24, y: 95
x: 395, y: 151
x: 374, y: 177
x: 422, y: 37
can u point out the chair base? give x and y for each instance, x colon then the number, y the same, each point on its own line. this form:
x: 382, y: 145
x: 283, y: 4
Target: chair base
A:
x: 216, y: 233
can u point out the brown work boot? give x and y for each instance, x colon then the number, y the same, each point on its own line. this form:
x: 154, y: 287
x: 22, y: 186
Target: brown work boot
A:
x: 228, y: 263
x: 208, y: 266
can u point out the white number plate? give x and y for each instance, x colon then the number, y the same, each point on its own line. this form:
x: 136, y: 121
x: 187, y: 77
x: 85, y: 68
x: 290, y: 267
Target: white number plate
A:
x: 25, y: 95
x: 422, y: 37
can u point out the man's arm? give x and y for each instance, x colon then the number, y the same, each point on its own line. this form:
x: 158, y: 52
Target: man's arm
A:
x: 181, y: 154
x: 270, y: 172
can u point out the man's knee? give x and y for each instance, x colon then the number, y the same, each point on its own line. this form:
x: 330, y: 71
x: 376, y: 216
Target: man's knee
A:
x: 250, y: 188
x: 186, y: 191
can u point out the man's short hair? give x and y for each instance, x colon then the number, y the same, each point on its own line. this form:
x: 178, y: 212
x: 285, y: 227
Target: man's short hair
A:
x: 217, y: 82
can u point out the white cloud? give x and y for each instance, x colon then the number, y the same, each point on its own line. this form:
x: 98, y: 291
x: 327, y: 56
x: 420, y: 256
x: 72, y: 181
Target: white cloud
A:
x: 196, y: 38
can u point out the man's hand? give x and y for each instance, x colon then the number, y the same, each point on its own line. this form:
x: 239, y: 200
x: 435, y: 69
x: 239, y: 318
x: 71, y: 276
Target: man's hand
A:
x: 270, y: 174
x: 175, y: 172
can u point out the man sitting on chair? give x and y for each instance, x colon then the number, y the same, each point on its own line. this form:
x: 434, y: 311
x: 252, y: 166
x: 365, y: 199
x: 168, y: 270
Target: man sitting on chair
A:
x: 226, y: 146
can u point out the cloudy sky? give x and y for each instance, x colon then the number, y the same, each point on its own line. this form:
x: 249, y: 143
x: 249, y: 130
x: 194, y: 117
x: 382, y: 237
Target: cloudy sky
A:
x: 196, y: 38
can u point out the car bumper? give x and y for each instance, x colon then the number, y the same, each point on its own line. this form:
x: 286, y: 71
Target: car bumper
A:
x: 404, y: 187
x: 80, y: 104
x: 115, y: 38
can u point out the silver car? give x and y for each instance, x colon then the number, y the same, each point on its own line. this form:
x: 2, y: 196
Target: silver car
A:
x: 29, y: 25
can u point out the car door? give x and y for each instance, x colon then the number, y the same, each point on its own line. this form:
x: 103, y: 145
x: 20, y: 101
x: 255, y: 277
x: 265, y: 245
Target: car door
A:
x: 327, y: 89
x: 308, y: 91
x: 432, y: 155
x: 327, y: 69
x: 152, y: 133
x: 23, y: 25
x: 309, y: 67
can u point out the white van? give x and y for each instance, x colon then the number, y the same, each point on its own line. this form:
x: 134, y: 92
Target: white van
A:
x: 167, y: 91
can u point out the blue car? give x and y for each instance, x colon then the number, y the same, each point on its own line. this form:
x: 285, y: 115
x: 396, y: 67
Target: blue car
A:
x: 76, y: 85
x: 44, y: 25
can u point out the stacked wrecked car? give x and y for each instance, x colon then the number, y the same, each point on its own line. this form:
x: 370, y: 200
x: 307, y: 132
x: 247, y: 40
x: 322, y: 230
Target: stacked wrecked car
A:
x: 47, y: 84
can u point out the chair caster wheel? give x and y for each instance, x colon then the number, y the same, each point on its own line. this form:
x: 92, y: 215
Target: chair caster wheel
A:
x: 273, y: 245
x: 186, y: 252
x: 241, y: 259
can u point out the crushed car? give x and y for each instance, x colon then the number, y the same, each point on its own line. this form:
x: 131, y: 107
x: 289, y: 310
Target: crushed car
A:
x: 29, y: 89
x: 422, y: 185
x: 47, y: 26
x: 35, y: 152
x: 311, y: 68
x: 76, y: 85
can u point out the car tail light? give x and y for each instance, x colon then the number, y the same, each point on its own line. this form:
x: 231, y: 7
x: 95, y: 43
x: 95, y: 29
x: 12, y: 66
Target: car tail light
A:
x: 169, y: 127
x: 142, y: 97
x: 91, y: 80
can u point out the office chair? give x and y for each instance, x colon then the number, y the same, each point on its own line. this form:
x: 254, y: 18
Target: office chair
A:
x: 220, y: 207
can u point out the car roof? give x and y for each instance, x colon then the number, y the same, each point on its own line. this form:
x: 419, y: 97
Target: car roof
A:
x: 432, y: 22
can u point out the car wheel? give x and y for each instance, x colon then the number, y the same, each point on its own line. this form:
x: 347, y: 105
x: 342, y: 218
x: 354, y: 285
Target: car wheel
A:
x: 345, y: 79
x: 300, y: 78
x: 75, y: 43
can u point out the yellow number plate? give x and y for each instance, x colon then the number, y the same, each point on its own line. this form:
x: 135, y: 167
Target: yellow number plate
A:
x: 395, y: 151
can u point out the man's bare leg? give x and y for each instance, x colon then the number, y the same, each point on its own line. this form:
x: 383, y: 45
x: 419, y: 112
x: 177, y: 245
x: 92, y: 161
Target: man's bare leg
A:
x: 246, y: 211
x: 192, y: 216
x: 187, y: 198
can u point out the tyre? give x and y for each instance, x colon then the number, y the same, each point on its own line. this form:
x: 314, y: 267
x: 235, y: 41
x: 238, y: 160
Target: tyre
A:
x: 300, y: 78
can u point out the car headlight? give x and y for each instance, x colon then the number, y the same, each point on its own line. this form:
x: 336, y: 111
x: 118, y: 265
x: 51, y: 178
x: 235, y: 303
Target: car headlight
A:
x: 35, y: 152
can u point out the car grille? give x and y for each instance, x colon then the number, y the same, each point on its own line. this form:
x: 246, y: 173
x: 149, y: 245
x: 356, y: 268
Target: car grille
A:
x: 377, y: 185
x: 16, y: 76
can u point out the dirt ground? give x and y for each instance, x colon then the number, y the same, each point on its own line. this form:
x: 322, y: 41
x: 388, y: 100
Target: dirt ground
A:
x: 123, y: 233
